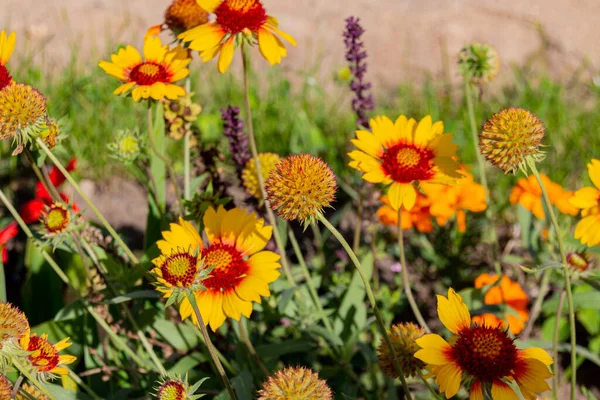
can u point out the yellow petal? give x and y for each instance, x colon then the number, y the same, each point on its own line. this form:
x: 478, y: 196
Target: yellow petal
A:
x: 209, y: 5
x: 476, y: 391
x: 585, y: 198
x: 63, y: 344
x: 442, y: 145
x: 434, y: 349
x: 173, y: 92
x: 203, y: 37
x: 538, y: 354
x: 594, y: 172
x: 157, y: 90
x: 402, y: 194
x: 268, y: 46
x: 60, y: 371
x: 185, y: 309
x: 123, y: 89
x: 7, y: 46
x: 234, y: 307
x: 384, y: 130
x: 588, y: 230
x: 424, y: 132
x: 453, y: 312
x: 252, y: 288
x: 448, y: 378
x: 226, y: 55
x: 127, y: 57
x: 154, y: 49
x: 114, y: 70
x: 284, y: 35
x: 136, y: 94
x: 365, y: 162
x: 501, y: 390
x: 66, y: 359
x: 531, y: 375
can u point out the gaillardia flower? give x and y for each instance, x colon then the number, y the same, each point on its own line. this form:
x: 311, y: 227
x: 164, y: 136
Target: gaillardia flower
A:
x: 13, y: 325
x: 55, y: 219
x: 44, y: 356
x: 127, y: 146
x: 22, y: 114
x: 300, y: 187
x: 153, y: 77
x: 479, y: 63
x: 509, y: 293
x: 267, y: 163
x: 5, y: 388
x: 419, y: 216
x: 180, y: 16
x: 32, y: 392
x: 588, y: 200
x: 295, y: 384
x: 509, y: 137
x: 483, y: 355
x: 403, y: 336
x: 236, y: 20
x: 528, y: 193
x: 579, y: 261
x: 405, y: 153
x: 7, y: 45
x: 176, y: 388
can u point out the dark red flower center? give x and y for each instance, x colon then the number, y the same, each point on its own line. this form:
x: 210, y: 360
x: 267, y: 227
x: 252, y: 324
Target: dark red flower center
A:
x: 235, y: 16
x: 406, y: 162
x: 179, y: 269
x: 5, y: 77
x: 229, y: 267
x: 43, y: 354
x: 148, y: 73
x: 485, y: 353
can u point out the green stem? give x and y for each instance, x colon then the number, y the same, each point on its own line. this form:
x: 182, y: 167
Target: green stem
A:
x: 221, y: 357
x: 372, y: 300
x: 246, y: 339
x: 566, y: 273
x: 308, y: 279
x: 187, y: 175
x: 359, y: 217
x: 87, y: 200
x: 405, y: 280
x: 483, y: 177
x: 115, y: 338
x: 555, y: 337
x: 35, y: 382
x: 261, y: 181
x: 3, y: 296
x: 211, y: 347
x: 83, y: 385
x: 428, y: 385
x: 537, y: 306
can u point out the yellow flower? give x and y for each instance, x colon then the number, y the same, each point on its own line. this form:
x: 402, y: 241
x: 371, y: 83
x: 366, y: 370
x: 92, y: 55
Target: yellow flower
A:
x: 7, y: 45
x: 300, y: 186
x: 405, y: 153
x: 403, y: 336
x: 588, y: 200
x: 22, y: 114
x: 176, y: 388
x: 236, y: 20
x: 44, y: 356
x: 5, y: 388
x: 449, y: 201
x: 528, y: 193
x: 267, y: 163
x: 13, y: 325
x: 419, y: 216
x: 295, y: 384
x: 483, y: 355
x: 241, y: 270
x: 152, y: 77
x: 509, y: 137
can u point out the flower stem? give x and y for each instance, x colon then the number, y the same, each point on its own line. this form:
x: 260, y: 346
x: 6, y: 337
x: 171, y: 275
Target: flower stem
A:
x: 359, y: 217
x: 566, y: 273
x: 211, y: 347
x: 483, y: 178
x: 372, y: 300
x: 35, y: 382
x: 308, y: 279
x: 115, y: 338
x: 251, y: 349
x: 428, y: 385
x: 555, y: 377
x: 87, y: 200
x: 187, y: 174
x: 83, y: 385
x: 16, y: 387
x: 537, y: 306
x: 405, y: 280
x: 261, y: 181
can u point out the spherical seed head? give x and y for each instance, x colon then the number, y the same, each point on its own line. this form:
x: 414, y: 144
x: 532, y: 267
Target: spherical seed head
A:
x: 22, y: 112
x: 403, y: 336
x: 13, y: 324
x: 300, y: 187
x: 295, y: 384
x: 50, y: 134
x: 127, y: 146
x: 32, y: 391
x: 510, y: 137
x: 183, y: 15
x: 5, y: 388
x: 267, y: 163
x: 479, y: 62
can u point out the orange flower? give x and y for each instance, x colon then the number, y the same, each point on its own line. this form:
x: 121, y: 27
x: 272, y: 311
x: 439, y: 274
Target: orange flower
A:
x: 509, y: 293
x: 418, y: 217
x: 528, y: 193
x: 448, y: 201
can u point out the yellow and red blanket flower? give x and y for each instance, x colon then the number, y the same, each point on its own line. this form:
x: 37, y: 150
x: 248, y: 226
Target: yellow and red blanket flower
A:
x: 237, y: 20
x: 403, y: 154
x: 7, y: 45
x: 44, y: 356
x: 509, y: 293
x: 455, y: 200
x: 484, y: 355
x: 588, y: 200
x: 241, y: 270
x: 418, y: 216
x: 152, y: 77
x: 528, y: 193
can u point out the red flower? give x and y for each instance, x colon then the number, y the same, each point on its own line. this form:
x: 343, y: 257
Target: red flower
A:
x: 32, y: 210
x: 6, y: 234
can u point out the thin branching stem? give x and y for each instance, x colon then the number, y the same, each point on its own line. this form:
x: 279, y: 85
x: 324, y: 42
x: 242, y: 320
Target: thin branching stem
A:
x: 246, y: 339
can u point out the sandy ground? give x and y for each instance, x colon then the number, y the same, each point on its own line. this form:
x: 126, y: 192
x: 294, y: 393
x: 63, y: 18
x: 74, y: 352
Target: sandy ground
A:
x: 404, y: 37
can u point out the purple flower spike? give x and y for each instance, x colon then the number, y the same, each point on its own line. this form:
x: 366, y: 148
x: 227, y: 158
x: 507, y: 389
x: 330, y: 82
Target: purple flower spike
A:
x: 233, y: 128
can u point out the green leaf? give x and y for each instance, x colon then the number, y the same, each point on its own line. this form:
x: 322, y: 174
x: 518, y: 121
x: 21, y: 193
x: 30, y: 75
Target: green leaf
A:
x: 64, y: 394
x: 590, y: 319
x: 548, y: 329
x: 178, y: 335
x: 242, y: 385
x: 142, y: 294
x: 276, y: 350
x: 71, y: 311
x: 590, y: 300
x: 326, y: 334
x: 188, y: 363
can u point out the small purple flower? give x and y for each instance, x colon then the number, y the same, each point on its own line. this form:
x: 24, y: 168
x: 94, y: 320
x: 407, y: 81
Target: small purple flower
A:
x: 233, y: 128
x: 396, y: 267
x: 356, y: 55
